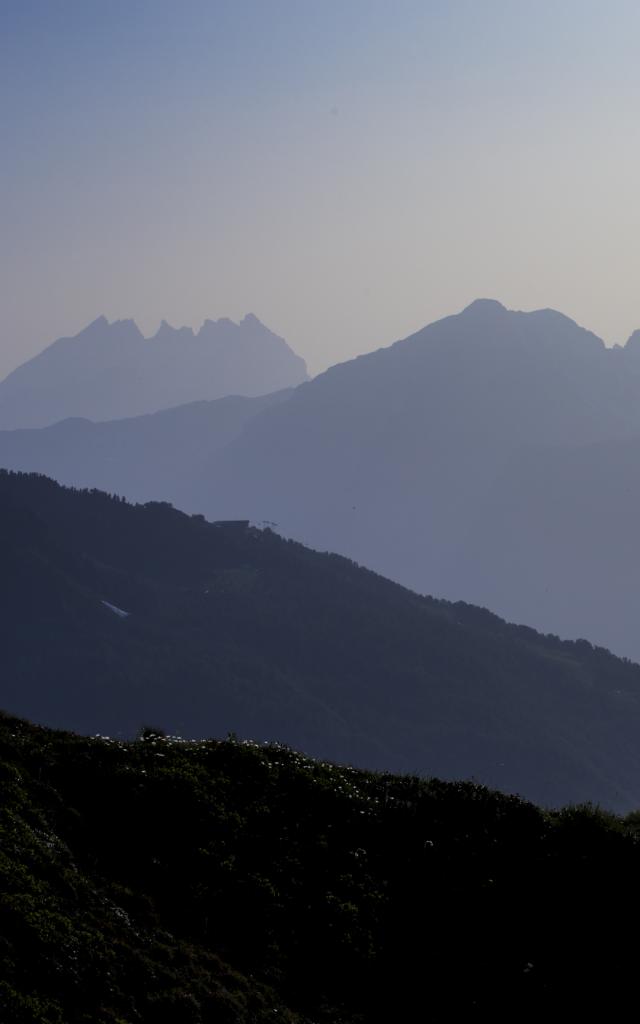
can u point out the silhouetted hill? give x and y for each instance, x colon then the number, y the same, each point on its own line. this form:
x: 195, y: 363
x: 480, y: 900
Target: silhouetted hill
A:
x: 168, y: 881
x: 232, y: 629
x: 109, y: 371
x: 157, y: 456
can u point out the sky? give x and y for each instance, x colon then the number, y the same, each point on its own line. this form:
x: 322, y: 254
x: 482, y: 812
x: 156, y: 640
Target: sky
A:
x: 347, y: 170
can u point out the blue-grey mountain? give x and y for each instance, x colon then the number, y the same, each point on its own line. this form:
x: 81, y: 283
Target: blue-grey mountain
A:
x: 437, y: 462
x: 494, y: 457
x: 110, y: 370
x: 158, y: 456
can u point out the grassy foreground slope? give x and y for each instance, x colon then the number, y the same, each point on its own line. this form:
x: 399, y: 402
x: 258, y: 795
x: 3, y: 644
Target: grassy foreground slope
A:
x: 172, y: 881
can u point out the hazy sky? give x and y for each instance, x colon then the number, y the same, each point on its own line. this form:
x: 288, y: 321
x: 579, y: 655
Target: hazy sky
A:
x: 346, y: 169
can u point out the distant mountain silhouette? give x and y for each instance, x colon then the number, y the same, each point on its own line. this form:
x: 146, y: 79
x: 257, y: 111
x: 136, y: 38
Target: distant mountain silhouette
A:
x: 398, y: 457
x: 494, y: 456
x: 114, y: 616
x: 556, y: 543
x: 157, y: 456
x: 109, y: 371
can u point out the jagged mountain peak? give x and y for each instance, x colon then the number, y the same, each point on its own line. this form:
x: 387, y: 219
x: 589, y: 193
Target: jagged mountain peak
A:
x: 109, y: 371
x: 633, y: 342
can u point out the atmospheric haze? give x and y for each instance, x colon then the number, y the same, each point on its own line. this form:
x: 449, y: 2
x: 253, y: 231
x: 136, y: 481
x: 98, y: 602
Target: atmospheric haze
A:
x: 347, y: 171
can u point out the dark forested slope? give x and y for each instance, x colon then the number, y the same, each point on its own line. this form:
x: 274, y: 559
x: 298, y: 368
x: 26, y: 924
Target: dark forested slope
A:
x: 231, y: 629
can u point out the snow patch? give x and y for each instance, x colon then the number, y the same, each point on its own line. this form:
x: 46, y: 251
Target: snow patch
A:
x: 117, y: 611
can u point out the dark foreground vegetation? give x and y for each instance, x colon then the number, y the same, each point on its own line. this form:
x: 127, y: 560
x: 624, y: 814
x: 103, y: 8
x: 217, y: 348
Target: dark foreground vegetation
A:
x: 171, y: 881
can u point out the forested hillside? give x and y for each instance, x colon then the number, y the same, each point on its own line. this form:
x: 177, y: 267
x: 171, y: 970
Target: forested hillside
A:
x: 114, y: 615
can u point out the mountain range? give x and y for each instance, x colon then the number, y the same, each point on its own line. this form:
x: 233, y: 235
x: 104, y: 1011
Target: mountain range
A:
x: 109, y: 371
x: 116, y: 615
x: 494, y: 457
x: 393, y: 457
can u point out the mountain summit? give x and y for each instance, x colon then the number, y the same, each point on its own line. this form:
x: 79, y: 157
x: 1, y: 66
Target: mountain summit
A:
x: 109, y: 371
x: 404, y: 459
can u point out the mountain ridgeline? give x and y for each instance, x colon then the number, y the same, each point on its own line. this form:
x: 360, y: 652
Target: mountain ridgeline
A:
x: 116, y: 615
x: 409, y: 459
x: 494, y: 457
x: 159, y: 456
x: 110, y: 371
